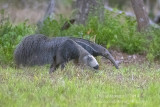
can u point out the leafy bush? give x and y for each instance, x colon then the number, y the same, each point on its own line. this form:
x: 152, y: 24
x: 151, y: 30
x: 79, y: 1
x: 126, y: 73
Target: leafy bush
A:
x: 10, y: 36
x: 49, y: 27
x: 118, y: 31
x: 154, y: 47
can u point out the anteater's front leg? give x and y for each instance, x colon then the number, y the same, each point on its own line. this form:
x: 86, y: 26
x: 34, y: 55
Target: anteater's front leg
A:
x: 63, y: 65
x: 52, y: 68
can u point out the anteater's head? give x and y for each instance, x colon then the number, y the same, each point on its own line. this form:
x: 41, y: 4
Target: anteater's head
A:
x: 90, y: 61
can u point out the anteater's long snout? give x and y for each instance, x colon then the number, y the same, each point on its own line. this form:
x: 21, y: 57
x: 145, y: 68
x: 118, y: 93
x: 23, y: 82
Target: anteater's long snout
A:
x: 110, y: 57
x: 96, y: 67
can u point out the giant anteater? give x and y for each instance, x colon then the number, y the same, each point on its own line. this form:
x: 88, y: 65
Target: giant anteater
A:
x: 39, y: 50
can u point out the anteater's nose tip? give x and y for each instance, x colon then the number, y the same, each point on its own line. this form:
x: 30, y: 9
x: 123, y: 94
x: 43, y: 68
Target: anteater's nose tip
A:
x: 96, y: 67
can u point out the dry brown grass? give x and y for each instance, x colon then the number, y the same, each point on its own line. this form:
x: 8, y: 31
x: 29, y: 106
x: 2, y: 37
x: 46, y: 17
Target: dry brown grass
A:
x: 20, y: 15
x: 35, y: 12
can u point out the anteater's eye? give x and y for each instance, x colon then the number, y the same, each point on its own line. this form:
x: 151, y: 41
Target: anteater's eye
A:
x: 89, y: 58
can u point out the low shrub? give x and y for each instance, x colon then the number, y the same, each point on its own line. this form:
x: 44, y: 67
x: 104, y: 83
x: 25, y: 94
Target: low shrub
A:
x: 10, y: 36
x: 153, y: 51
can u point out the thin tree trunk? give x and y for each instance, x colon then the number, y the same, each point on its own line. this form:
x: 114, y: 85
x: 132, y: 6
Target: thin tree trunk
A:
x: 106, y: 3
x: 23, y: 3
x: 141, y: 14
x: 86, y: 7
x: 129, y: 14
x: 50, y: 10
x: 49, y: 13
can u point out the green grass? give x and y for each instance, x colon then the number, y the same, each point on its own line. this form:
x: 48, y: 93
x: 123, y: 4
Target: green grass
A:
x: 134, y: 85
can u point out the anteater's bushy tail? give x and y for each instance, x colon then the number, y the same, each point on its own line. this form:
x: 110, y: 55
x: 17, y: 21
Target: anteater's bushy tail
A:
x: 33, y: 50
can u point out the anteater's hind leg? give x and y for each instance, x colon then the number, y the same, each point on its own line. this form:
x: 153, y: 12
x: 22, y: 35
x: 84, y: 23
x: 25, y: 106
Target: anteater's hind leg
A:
x: 52, y: 68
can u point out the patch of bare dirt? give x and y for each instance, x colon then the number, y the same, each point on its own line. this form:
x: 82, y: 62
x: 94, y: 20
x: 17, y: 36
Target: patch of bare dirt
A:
x: 124, y: 58
x: 127, y: 58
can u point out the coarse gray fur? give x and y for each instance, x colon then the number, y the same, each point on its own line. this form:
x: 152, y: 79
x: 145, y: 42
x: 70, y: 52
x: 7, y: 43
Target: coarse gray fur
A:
x: 39, y: 50
x: 70, y: 50
x: 36, y: 50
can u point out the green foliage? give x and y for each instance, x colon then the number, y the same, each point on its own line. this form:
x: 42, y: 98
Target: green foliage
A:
x: 115, y: 31
x: 10, y: 36
x: 118, y: 31
x: 154, y: 47
x: 50, y: 27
